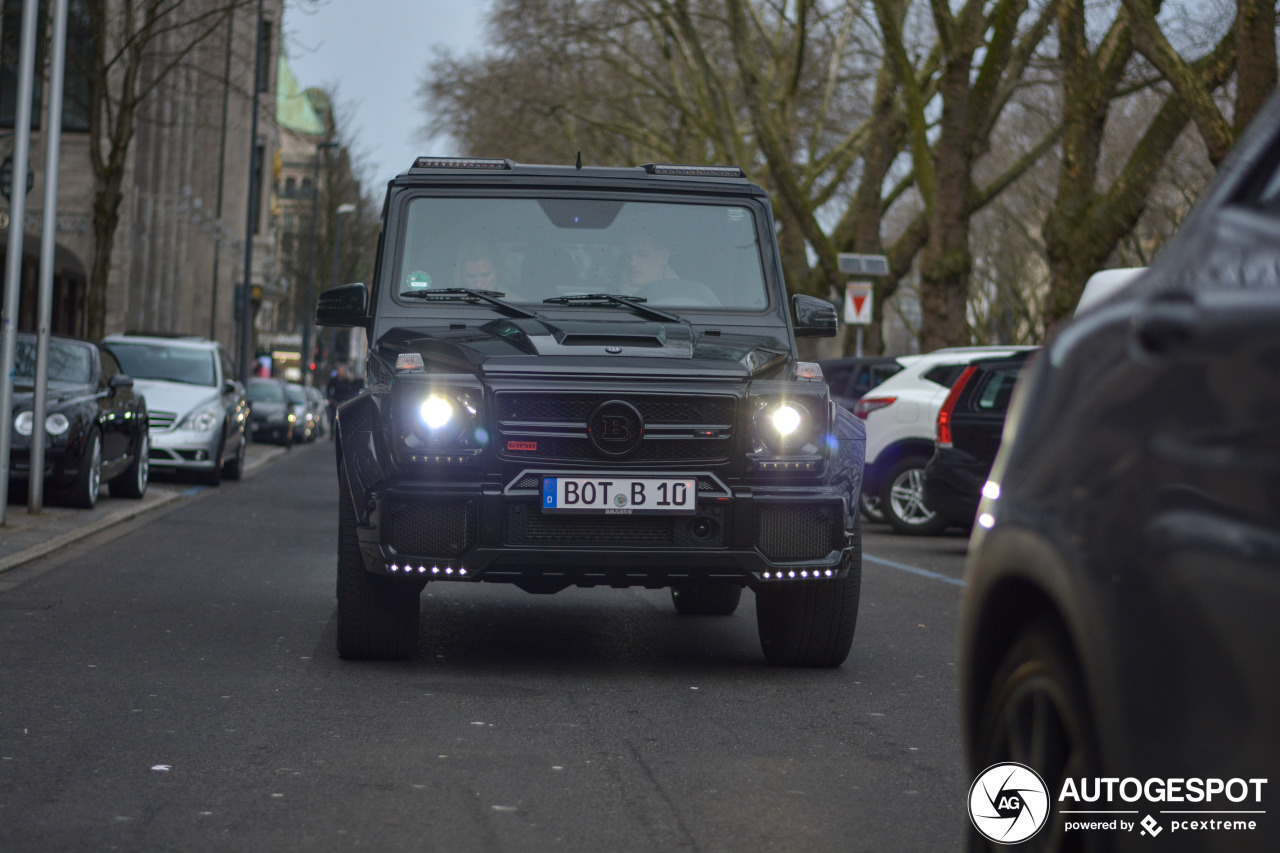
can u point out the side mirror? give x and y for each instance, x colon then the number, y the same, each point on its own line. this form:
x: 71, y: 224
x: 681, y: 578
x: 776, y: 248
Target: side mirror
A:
x: 343, y: 306
x: 229, y: 386
x: 815, y: 318
x: 120, y: 380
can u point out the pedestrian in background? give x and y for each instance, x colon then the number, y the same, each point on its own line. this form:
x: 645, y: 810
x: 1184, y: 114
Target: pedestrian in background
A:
x: 342, y: 387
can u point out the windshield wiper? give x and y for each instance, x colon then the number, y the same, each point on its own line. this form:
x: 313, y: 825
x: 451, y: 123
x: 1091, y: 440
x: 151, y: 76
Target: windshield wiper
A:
x: 635, y: 303
x: 490, y: 296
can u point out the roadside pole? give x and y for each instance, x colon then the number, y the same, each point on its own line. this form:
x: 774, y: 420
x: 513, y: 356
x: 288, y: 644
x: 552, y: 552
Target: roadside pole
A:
x: 13, y: 262
x: 48, y: 242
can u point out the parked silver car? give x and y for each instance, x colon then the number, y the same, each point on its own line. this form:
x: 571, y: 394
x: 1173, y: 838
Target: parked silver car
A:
x: 199, y: 415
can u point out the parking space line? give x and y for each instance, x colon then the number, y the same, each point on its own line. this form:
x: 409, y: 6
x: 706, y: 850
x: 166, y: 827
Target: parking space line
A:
x: 925, y: 573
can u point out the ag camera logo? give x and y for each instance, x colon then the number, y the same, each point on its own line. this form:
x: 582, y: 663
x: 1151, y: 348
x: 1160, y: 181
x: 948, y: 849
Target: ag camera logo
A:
x: 1008, y: 803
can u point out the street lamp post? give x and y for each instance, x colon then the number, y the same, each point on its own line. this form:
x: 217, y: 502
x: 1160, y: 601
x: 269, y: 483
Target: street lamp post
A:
x: 307, y: 378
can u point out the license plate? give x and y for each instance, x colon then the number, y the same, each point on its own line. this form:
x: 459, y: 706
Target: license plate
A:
x: 619, y: 495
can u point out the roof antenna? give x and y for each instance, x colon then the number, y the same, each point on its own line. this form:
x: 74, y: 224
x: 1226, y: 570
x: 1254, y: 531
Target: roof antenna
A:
x: 579, y: 166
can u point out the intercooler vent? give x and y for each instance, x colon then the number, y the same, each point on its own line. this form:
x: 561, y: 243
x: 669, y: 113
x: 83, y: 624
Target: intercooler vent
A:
x: 788, y: 532
x: 438, y: 527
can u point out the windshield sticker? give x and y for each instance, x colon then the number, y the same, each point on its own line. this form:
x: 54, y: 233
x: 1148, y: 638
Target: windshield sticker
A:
x: 418, y: 280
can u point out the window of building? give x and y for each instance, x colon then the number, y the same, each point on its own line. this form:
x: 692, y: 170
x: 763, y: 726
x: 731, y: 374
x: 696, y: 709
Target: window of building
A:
x: 10, y: 45
x: 264, y: 56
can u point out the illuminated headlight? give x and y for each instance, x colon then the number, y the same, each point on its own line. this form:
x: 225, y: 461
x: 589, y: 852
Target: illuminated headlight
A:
x: 786, y: 419
x: 436, y: 412
x: 784, y: 426
x: 201, y: 421
x: 55, y: 424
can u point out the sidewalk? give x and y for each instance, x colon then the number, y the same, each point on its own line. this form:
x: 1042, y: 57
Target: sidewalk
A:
x: 26, y: 537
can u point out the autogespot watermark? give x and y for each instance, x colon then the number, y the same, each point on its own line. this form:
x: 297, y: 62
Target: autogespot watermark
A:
x: 1009, y: 803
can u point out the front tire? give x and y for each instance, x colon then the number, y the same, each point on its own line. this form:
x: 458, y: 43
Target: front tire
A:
x: 902, y: 500
x: 810, y: 623
x: 1036, y: 713
x: 84, y: 491
x: 706, y: 598
x: 377, y: 614
x: 234, y: 467
x: 133, y: 482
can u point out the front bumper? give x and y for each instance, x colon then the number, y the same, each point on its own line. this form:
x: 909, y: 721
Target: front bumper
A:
x: 61, y: 466
x: 478, y: 531
x: 184, y: 449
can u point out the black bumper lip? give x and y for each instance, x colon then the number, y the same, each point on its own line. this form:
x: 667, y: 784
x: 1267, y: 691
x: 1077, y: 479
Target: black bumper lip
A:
x: 734, y: 556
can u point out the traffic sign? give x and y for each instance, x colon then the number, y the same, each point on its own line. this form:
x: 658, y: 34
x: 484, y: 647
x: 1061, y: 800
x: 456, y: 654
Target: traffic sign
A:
x: 857, y: 303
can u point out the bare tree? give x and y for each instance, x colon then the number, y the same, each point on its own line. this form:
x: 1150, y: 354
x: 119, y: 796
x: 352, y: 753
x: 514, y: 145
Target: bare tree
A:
x: 135, y: 45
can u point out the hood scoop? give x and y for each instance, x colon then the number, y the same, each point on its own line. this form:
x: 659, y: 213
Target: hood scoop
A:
x: 600, y: 338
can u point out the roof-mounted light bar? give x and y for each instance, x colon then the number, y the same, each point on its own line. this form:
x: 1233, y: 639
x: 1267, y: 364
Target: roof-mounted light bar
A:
x: 694, y: 171
x: 461, y: 163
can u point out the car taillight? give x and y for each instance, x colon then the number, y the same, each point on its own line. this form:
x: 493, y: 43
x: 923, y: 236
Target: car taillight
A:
x: 943, y: 434
x: 867, y: 405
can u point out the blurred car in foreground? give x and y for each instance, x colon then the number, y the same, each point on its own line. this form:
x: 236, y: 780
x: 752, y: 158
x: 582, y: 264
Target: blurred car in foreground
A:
x: 95, y: 424
x: 853, y: 376
x: 901, y: 415
x: 271, y: 415
x: 969, y: 426
x: 199, y: 416
x: 1123, y: 584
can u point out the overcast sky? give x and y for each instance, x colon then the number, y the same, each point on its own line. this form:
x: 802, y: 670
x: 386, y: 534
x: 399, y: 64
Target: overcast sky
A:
x: 374, y: 54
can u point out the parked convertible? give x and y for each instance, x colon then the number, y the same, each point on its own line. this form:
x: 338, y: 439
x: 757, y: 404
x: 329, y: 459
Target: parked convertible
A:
x: 95, y: 424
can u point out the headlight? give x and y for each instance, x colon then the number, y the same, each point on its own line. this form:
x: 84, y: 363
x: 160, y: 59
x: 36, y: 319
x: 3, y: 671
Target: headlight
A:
x: 55, y: 424
x: 201, y: 421
x: 784, y: 426
x: 436, y: 412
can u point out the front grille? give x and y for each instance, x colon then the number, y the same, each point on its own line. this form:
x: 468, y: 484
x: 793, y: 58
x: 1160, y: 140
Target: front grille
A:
x: 439, y: 527
x: 786, y: 532
x: 575, y: 408
x: 528, y: 419
x: 161, y: 420
x: 526, y: 525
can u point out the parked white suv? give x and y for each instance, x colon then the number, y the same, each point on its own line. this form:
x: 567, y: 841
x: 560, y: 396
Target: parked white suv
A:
x: 901, y: 415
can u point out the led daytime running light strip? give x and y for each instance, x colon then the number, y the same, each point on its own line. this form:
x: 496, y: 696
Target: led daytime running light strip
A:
x: 447, y: 571
x: 802, y: 574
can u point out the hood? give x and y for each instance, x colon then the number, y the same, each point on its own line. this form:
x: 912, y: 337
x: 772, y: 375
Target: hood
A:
x: 24, y: 396
x: 176, y: 397
x: 541, y: 346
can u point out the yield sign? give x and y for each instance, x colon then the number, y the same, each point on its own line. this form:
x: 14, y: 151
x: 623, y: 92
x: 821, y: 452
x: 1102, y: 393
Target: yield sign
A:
x: 857, y: 303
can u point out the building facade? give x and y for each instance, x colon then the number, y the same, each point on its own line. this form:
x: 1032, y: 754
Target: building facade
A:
x: 179, y: 250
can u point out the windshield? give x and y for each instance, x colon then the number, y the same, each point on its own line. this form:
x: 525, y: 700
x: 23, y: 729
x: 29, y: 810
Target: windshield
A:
x: 296, y: 394
x: 532, y: 250
x: 69, y: 363
x: 168, y: 363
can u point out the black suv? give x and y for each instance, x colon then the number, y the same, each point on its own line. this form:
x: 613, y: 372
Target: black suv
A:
x: 588, y: 376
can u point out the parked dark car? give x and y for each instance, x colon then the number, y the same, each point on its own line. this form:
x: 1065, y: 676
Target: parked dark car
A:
x: 95, y: 425
x: 851, y: 377
x: 1123, y: 585
x: 306, y: 418
x: 319, y: 406
x: 271, y: 415
x: 968, y: 435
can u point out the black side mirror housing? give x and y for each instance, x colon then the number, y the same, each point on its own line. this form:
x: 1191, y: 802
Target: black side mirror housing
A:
x: 815, y: 318
x: 120, y: 380
x: 347, y: 305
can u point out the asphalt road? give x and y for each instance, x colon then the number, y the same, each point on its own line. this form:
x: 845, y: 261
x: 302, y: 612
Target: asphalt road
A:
x: 172, y: 684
